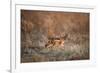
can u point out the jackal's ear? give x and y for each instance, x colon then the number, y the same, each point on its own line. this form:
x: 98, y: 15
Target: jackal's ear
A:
x: 66, y: 35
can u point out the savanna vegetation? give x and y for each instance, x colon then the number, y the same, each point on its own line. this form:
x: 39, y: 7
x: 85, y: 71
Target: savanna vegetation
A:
x: 54, y: 36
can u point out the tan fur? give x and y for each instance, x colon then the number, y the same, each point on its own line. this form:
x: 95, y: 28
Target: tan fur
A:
x: 56, y: 42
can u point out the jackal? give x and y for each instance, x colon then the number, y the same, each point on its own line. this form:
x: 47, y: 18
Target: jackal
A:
x: 56, y: 41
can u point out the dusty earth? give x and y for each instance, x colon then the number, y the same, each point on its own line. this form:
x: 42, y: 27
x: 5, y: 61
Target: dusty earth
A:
x: 38, y: 26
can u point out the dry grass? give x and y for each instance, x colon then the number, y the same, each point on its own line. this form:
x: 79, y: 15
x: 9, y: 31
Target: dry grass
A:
x: 76, y: 48
x: 38, y: 26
